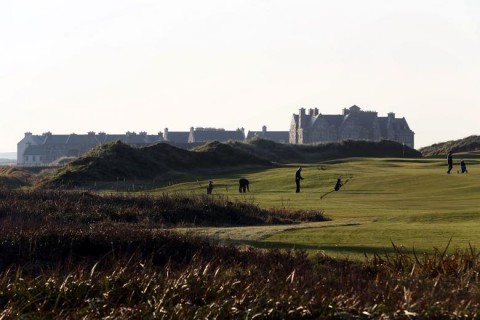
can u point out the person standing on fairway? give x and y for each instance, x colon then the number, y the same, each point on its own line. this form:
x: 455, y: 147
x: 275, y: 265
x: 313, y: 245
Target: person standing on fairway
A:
x: 463, y: 166
x: 243, y: 185
x: 298, y: 177
x: 449, y: 161
x: 210, y: 187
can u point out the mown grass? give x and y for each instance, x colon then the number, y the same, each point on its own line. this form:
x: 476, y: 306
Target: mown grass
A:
x: 411, y: 202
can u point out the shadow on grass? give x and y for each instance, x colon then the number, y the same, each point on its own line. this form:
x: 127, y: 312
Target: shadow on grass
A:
x: 368, y: 192
x: 307, y: 191
x: 338, y: 248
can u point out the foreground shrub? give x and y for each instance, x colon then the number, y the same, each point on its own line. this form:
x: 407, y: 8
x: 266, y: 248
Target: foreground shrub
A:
x: 64, y: 255
x: 120, y: 272
x: 164, y: 210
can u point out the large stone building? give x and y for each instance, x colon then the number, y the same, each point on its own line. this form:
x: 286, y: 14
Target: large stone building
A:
x: 34, y: 150
x: 353, y: 124
x: 311, y: 127
x: 46, y: 148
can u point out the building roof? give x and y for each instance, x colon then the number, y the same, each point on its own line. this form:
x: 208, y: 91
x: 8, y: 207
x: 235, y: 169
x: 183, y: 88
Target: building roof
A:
x: 398, y: 124
x: 332, y: 119
x: 177, y: 136
x: 38, y: 139
x: 141, y: 139
x: 104, y: 138
x: 364, y: 119
x: 95, y: 139
x: 55, y: 138
x: 82, y: 139
x: 205, y: 135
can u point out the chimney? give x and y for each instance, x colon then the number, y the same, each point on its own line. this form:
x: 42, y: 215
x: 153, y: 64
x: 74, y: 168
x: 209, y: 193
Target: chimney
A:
x: 192, y: 129
x: 264, y: 129
x: 165, y: 134
x: 28, y: 134
x: 391, y: 115
x: 310, y: 112
x: 301, y: 115
x: 316, y: 111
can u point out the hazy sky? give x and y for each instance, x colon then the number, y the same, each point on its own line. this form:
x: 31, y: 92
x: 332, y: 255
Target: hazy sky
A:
x: 143, y: 65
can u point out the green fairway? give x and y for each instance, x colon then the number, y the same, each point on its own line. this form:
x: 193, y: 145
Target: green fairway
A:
x: 408, y: 202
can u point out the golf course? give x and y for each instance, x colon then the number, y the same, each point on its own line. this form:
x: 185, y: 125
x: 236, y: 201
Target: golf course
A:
x: 132, y: 233
x: 385, y: 203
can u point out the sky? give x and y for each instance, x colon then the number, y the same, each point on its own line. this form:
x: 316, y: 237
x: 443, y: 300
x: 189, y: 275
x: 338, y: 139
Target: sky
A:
x: 146, y: 65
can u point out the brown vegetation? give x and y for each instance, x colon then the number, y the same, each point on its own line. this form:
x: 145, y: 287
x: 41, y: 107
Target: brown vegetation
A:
x: 15, y: 177
x: 57, y: 263
x: 53, y: 206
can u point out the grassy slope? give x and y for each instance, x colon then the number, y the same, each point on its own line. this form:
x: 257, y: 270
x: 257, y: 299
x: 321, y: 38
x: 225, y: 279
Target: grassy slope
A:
x: 117, y: 161
x: 287, y: 153
x: 468, y: 144
x: 412, y: 203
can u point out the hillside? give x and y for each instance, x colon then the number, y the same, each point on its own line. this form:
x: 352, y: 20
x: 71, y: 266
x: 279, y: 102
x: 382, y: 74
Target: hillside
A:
x: 14, y: 177
x: 287, y: 153
x: 119, y: 161
x: 468, y: 144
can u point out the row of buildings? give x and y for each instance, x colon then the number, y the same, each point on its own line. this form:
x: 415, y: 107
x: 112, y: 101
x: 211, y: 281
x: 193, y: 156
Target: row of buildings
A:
x: 307, y: 127
x: 47, y: 148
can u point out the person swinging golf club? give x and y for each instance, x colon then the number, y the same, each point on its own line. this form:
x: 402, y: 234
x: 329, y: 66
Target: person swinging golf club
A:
x: 338, y: 185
